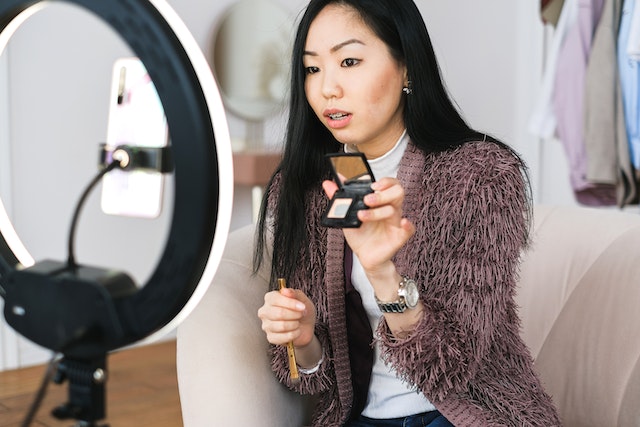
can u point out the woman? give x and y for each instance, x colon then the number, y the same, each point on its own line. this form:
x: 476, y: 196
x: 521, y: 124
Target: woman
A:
x: 448, y: 218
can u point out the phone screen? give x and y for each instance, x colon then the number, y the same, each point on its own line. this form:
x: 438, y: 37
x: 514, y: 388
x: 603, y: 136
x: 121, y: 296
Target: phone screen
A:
x: 136, y: 118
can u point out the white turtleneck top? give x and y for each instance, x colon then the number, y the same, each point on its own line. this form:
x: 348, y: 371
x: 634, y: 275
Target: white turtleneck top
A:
x: 389, y: 396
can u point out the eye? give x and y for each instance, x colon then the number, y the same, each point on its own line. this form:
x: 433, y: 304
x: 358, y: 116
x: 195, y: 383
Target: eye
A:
x: 350, y: 62
x: 311, y: 70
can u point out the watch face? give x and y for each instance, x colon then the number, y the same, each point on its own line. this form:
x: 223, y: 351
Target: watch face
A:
x: 412, y: 295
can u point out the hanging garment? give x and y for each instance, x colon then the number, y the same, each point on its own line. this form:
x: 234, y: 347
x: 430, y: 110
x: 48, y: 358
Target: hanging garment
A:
x: 550, y: 11
x: 629, y: 82
x: 633, y: 42
x: 543, y: 120
x: 605, y: 135
x: 568, y: 103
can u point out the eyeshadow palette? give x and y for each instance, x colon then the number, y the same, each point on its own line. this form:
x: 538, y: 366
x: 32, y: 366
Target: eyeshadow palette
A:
x: 353, y: 175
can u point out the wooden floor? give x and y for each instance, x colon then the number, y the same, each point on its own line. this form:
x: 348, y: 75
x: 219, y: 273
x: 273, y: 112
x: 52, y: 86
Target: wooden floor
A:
x: 142, y: 391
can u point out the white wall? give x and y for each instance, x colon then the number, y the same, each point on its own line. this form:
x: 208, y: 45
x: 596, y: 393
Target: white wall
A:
x: 8, y: 338
x: 58, y: 69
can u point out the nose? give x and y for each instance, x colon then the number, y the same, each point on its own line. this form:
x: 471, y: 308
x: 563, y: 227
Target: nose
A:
x: 331, y: 87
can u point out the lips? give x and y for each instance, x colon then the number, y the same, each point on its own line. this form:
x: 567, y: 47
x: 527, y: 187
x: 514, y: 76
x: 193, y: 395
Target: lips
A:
x: 337, y: 119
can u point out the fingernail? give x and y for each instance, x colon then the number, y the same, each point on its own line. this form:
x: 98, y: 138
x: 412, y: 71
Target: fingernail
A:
x: 300, y: 306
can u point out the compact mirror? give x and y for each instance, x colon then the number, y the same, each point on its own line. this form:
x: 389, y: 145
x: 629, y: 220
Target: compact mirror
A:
x: 350, y: 168
x: 353, y: 175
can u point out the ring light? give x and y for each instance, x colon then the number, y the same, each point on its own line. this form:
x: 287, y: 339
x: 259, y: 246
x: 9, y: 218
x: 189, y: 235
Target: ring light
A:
x: 202, y: 197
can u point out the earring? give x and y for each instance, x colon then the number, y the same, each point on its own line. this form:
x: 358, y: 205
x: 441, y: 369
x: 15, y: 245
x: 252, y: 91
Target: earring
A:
x: 407, y: 89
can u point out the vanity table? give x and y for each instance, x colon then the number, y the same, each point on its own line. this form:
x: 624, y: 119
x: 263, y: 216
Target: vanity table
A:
x: 254, y: 168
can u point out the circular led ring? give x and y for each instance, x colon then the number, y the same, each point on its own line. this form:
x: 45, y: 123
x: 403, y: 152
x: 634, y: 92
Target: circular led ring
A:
x: 202, y: 157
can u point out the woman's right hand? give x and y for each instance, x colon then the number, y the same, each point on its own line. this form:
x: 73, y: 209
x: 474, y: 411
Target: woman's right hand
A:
x: 288, y: 315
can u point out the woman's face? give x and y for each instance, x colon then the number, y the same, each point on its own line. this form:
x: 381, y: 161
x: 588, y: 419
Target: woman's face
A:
x: 353, y: 84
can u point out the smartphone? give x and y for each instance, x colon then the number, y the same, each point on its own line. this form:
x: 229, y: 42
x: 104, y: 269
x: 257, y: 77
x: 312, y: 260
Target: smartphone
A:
x: 352, y: 173
x: 136, y: 118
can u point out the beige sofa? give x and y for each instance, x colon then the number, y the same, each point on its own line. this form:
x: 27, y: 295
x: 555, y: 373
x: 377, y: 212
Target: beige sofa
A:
x: 579, y: 293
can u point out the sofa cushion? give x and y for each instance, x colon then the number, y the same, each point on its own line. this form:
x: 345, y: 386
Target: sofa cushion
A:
x: 579, y: 295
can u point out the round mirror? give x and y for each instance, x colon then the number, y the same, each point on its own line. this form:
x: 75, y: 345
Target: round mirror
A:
x: 250, y: 53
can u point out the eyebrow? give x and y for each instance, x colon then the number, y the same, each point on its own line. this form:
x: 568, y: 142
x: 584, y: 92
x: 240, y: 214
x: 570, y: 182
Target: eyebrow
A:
x: 336, y: 47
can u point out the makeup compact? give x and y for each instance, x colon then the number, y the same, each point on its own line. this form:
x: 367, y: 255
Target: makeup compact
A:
x: 353, y: 175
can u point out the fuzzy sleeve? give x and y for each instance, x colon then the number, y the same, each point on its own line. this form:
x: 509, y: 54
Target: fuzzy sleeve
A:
x: 317, y: 382
x: 471, y: 228
x: 309, y: 280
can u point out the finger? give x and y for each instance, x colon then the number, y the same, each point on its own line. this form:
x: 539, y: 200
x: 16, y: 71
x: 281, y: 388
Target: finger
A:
x: 300, y: 296
x: 392, y: 195
x: 329, y: 188
x: 285, y: 298
x: 280, y: 327
x: 281, y: 332
x: 282, y: 338
x: 381, y: 213
x: 384, y: 183
x: 408, y: 226
x: 277, y: 307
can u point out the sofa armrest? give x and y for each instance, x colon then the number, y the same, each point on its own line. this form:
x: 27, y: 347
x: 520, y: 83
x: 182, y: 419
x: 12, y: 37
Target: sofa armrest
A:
x: 224, y: 373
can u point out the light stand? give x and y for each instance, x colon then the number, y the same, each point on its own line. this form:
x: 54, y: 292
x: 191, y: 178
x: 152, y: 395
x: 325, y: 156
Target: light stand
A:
x: 87, y: 380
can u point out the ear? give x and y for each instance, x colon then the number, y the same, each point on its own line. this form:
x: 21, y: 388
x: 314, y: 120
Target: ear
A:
x: 405, y: 74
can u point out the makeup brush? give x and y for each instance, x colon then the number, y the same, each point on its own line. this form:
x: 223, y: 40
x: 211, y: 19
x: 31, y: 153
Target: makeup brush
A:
x: 293, y: 367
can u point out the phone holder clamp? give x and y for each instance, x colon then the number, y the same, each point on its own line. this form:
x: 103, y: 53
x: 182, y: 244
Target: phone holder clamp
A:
x: 159, y: 159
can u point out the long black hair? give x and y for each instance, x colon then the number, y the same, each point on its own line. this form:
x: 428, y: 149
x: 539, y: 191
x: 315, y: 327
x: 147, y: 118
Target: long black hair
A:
x: 432, y: 120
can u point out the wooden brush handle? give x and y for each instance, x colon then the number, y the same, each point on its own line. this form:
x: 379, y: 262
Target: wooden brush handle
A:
x: 293, y: 366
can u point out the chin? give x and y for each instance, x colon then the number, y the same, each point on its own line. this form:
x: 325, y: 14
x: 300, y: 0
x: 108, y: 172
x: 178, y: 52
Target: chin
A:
x: 345, y: 139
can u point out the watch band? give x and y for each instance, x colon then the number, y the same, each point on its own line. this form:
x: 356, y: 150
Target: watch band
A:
x: 400, y: 304
x: 392, y: 307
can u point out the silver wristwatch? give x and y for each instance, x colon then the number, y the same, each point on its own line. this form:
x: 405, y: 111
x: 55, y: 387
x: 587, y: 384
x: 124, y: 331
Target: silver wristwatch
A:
x: 408, y: 296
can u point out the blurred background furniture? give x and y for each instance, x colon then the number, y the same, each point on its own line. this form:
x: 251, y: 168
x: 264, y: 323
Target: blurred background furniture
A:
x: 254, y: 168
x: 579, y: 294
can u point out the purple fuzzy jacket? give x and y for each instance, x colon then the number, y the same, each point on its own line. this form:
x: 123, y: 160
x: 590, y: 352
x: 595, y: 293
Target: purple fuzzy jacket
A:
x: 470, y: 209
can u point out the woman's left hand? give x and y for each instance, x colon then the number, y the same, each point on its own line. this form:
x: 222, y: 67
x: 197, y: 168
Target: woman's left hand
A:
x: 383, y: 231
